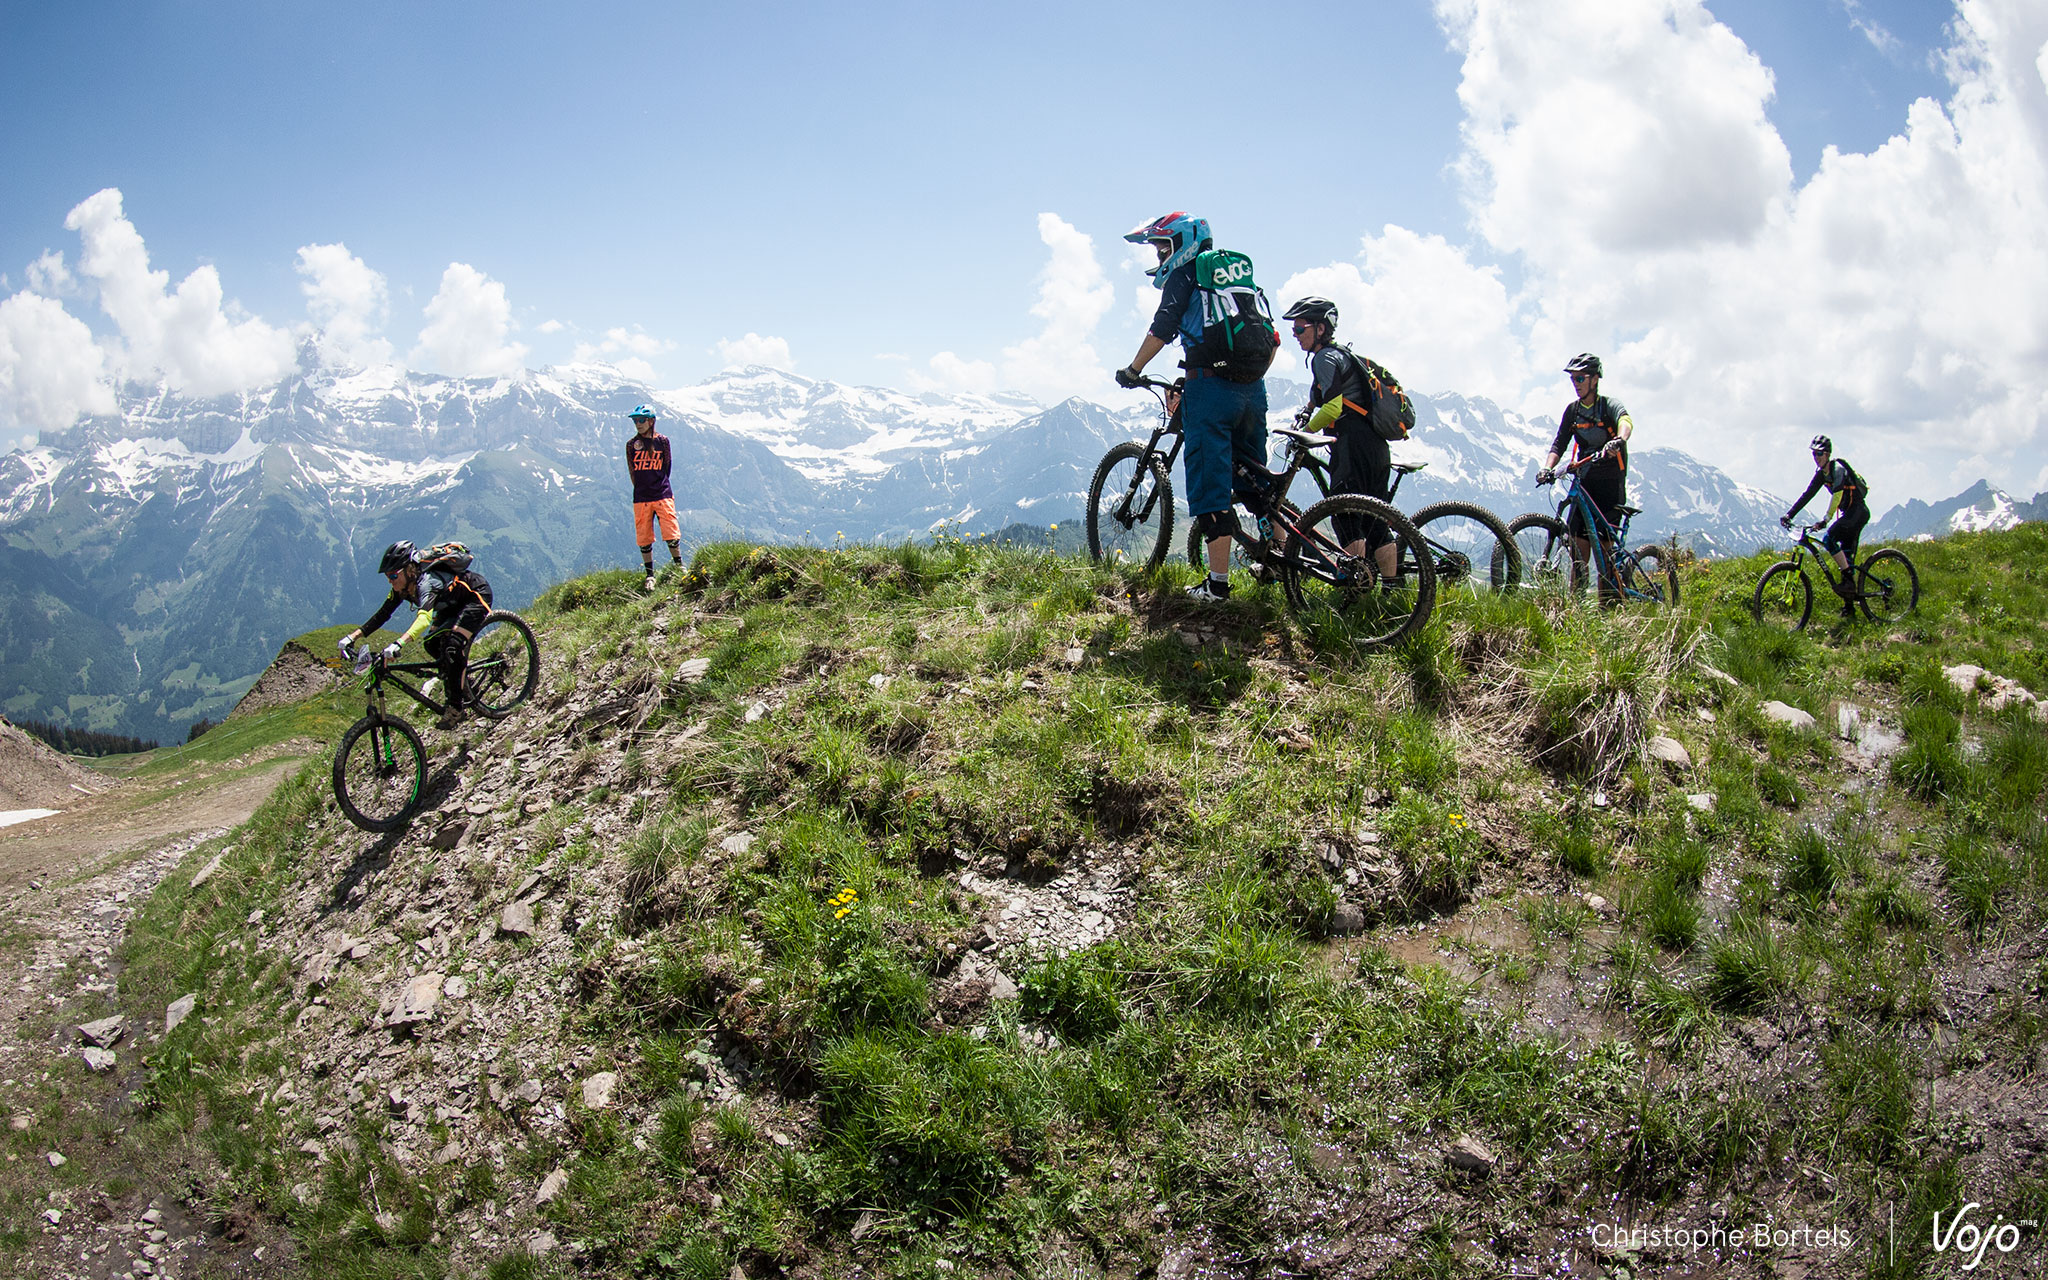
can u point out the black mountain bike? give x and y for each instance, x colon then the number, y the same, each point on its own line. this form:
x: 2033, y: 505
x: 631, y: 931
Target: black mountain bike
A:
x: 1887, y: 586
x: 380, y: 768
x: 1130, y: 521
x: 1645, y: 574
x: 1469, y: 547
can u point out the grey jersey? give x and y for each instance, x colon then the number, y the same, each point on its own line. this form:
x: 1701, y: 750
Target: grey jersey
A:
x: 1332, y: 373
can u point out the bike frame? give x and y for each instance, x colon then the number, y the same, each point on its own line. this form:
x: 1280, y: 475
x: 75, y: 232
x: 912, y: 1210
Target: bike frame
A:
x: 1607, y: 566
x: 1822, y: 557
x: 383, y: 673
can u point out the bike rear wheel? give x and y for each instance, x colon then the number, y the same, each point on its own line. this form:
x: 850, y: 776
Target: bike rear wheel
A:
x: 1650, y: 573
x: 1474, y: 552
x: 504, y: 665
x: 1130, y: 508
x: 1891, y: 586
x: 380, y: 773
x: 1783, y: 597
x: 1323, y: 581
x: 1546, y: 552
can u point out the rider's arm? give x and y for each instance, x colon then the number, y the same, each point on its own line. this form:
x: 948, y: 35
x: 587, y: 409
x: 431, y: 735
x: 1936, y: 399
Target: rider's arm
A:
x: 1151, y: 346
x: 1625, y: 427
x: 1806, y: 497
x: 383, y: 614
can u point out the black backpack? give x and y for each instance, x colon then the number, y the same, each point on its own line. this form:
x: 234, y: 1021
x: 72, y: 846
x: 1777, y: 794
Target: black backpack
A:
x: 1239, y: 338
x: 1391, y: 413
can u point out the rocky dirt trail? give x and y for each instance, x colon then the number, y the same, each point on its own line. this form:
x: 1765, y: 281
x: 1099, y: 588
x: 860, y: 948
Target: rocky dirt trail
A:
x: 69, y: 886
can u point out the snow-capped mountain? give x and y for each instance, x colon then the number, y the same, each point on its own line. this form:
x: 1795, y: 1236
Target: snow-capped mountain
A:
x: 152, y: 561
x: 1974, y: 510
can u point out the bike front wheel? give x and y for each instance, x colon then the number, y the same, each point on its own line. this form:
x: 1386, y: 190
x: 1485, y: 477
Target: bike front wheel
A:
x: 1326, y: 582
x: 380, y: 773
x: 1130, y: 508
x: 1891, y: 587
x: 504, y: 665
x: 1783, y: 597
x: 1546, y: 551
x: 1650, y: 573
x: 1473, y: 550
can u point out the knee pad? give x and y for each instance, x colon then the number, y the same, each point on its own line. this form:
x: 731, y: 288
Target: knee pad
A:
x: 1217, y: 524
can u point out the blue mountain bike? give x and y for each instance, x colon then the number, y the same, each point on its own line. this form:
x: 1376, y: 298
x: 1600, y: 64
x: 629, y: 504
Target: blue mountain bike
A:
x: 1550, y: 563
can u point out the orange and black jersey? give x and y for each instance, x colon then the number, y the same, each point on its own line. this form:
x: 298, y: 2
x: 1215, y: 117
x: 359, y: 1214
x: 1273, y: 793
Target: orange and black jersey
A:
x: 1590, y: 427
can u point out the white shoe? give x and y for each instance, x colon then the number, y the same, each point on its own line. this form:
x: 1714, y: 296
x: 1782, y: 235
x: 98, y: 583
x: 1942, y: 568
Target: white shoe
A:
x: 1205, y: 592
x: 649, y: 584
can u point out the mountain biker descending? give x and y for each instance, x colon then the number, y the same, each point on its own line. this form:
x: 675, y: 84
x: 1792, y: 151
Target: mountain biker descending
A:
x: 1342, y: 405
x: 1222, y: 421
x: 1597, y: 428
x: 1848, y: 510
x: 647, y: 462
x: 453, y: 600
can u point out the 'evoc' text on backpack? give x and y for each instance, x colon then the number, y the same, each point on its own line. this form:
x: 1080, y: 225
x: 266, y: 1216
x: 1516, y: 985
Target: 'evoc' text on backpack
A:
x: 1238, y: 338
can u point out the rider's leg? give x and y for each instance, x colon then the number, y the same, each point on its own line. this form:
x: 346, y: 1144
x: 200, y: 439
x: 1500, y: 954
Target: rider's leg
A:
x: 1211, y: 423
x: 671, y: 532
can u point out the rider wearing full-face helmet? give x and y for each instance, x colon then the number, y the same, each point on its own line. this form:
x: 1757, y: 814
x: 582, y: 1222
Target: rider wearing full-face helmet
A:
x: 1848, y: 509
x: 1595, y: 427
x: 1223, y: 422
x: 453, y: 600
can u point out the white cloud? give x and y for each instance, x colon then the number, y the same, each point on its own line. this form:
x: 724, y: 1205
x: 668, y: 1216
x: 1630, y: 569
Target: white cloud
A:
x: 625, y: 350
x: 348, y: 302
x: 949, y: 372
x: 467, y: 326
x: 550, y: 327
x: 1422, y: 308
x: 734, y: 353
x: 1620, y: 152
x: 49, y: 276
x: 1073, y: 296
x: 1871, y: 29
x: 51, y: 370
x: 187, y: 335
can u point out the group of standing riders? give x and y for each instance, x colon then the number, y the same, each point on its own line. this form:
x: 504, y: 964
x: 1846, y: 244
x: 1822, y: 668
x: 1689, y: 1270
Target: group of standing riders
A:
x: 1223, y: 423
x: 1223, y: 419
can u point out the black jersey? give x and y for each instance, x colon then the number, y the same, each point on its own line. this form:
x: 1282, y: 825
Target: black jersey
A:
x: 1590, y: 427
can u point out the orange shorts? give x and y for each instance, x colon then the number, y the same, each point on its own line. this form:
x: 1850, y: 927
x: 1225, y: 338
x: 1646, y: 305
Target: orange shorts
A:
x: 644, y: 514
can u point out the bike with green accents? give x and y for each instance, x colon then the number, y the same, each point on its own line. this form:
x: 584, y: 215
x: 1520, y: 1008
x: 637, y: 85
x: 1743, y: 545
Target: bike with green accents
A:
x: 380, y: 768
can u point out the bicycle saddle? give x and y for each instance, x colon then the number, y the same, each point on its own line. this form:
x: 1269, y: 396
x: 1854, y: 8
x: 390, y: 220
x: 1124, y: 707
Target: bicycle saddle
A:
x: 1630, y: 511
x: 1308, y: 439
x: 1403, y: 468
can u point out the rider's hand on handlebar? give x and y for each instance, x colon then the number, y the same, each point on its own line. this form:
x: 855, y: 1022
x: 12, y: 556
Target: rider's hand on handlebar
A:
x: 1785, y: 522
x: 1129, y: 378
x: 391, y: 651
x: 1546, y: 476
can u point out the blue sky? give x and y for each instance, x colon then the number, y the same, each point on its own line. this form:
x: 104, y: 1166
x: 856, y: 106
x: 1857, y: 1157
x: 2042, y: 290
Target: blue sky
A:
x: 930, y: 195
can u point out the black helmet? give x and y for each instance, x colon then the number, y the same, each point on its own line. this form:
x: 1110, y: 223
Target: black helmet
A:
x: 1821, y: 444
x: 1584, y: 362
x: 396, y: 556
x: 1315, y: 311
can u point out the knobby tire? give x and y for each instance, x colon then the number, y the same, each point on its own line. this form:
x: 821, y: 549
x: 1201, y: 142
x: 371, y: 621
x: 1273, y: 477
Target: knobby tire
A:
x: 1891, y: 586
x: 380, y: 773
x: 1111, y: 540
x: 1783, y: 596
x: 1546, y: 552
x: 1473, y: 548
x: 1324, y: 582
x: 504, y: 665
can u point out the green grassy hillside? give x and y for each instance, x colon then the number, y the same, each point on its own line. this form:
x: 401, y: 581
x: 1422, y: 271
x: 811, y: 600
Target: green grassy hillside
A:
x: 956, y: 909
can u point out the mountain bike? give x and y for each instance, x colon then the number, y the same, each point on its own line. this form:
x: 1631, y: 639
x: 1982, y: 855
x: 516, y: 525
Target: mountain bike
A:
x: 380, y: 768
x: 1549, y: 565
x: 1887, y: 586
x: 1470, y: 547
x: 1130, y: 519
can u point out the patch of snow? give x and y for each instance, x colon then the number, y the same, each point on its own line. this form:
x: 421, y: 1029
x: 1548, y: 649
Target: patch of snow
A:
x: 8, y: 817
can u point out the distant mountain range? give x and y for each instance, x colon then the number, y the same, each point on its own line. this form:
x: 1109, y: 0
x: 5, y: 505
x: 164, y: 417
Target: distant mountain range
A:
x: 1975, y: 509
x: 153, y: 561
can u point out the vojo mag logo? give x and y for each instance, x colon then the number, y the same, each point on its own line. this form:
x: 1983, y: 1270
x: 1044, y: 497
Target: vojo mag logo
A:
x: 1969, y: 1240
